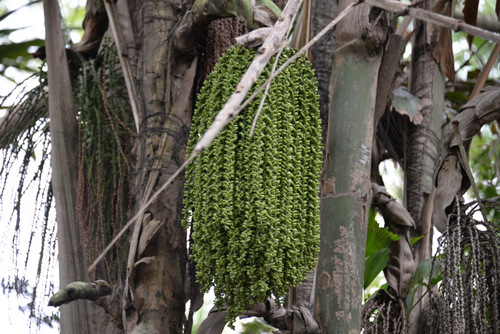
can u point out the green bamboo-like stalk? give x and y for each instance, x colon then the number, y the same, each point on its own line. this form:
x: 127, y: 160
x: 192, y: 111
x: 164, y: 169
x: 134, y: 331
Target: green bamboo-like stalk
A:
x: 345, y: 198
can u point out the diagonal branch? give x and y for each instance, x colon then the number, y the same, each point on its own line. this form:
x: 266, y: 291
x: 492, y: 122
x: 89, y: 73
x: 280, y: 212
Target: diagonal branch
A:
x: 273, y: 42
x: 234, y: 105
x: 435, y: 18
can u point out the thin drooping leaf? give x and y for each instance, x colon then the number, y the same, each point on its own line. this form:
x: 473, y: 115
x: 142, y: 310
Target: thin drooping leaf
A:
x: 7, y: 32
x: 399, y: 270
x: 443, y: 51
x: 10, y: 12
x: 14, y: 50
x: 497, y: 9
x: 447, y: 185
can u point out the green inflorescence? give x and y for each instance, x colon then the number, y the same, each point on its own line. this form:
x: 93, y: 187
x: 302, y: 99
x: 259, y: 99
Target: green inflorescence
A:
x: 105, y: 128
x: 252, y: 201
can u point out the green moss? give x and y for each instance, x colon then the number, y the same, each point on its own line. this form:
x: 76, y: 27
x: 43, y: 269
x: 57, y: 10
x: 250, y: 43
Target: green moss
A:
x: 253, y: 202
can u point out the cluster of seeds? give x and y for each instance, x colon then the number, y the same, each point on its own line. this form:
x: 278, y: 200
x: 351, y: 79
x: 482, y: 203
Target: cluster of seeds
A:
x: 252, y: 201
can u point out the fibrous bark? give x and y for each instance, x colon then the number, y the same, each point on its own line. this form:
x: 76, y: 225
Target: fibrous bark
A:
x: 427, y: 84
x: 156, y: 276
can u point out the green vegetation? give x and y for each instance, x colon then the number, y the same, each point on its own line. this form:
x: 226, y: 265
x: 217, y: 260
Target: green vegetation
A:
x: 253, y: 200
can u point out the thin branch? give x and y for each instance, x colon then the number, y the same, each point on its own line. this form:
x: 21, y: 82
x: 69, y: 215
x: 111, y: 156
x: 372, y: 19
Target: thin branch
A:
x: 122, y: 55
x: 233, y: 107
x: 316, y: 38
x: 438, y: 19
x: 263, y: 100
x: 140, y: 212
x: 481, y: 81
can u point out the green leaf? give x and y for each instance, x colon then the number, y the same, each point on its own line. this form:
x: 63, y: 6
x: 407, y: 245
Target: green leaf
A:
x: 14, y: 50
x: 7, y: 32
x: 377, y: 238
x: 271, y: 6
x: 413, y: 241
x: 458, y: 97
x: 374, y: 264
x: 423, y: 272
x: 8, y: 13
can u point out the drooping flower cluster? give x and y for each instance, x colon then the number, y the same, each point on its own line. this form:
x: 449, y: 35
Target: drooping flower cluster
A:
x: 253, y: 200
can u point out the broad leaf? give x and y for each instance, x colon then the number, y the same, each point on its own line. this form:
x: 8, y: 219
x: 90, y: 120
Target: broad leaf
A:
x: 374, y: 264
x: 377, y: 249
x: 14, y: 50
x: 377, y: 238
x: 423, y: 274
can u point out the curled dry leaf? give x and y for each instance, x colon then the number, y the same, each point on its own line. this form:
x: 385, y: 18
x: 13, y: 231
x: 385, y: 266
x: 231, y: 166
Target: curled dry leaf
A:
x: 448, y: 184
x: 394, y: 213
x: 400, y: 267
x: 450, y: 179
x: 407, y: 104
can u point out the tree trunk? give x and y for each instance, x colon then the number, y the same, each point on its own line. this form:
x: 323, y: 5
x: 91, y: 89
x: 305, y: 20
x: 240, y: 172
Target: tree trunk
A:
x: 165, y: 93
x: 428, y: 85
x: 323, y: 12
x: 76, y: 317
x: 346, y: 196
x: 424, y: 141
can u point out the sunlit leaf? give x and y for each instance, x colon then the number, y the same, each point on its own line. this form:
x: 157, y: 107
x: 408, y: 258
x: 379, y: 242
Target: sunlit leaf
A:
x: 377, y: 237
x: 374, y: 264
x: 413, y: 241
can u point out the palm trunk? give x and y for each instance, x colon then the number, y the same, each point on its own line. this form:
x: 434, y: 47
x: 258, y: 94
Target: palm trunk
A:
x: 428, y: 84
x: 76, y: 317
x: 165, y: 93
x: 346, y: 188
